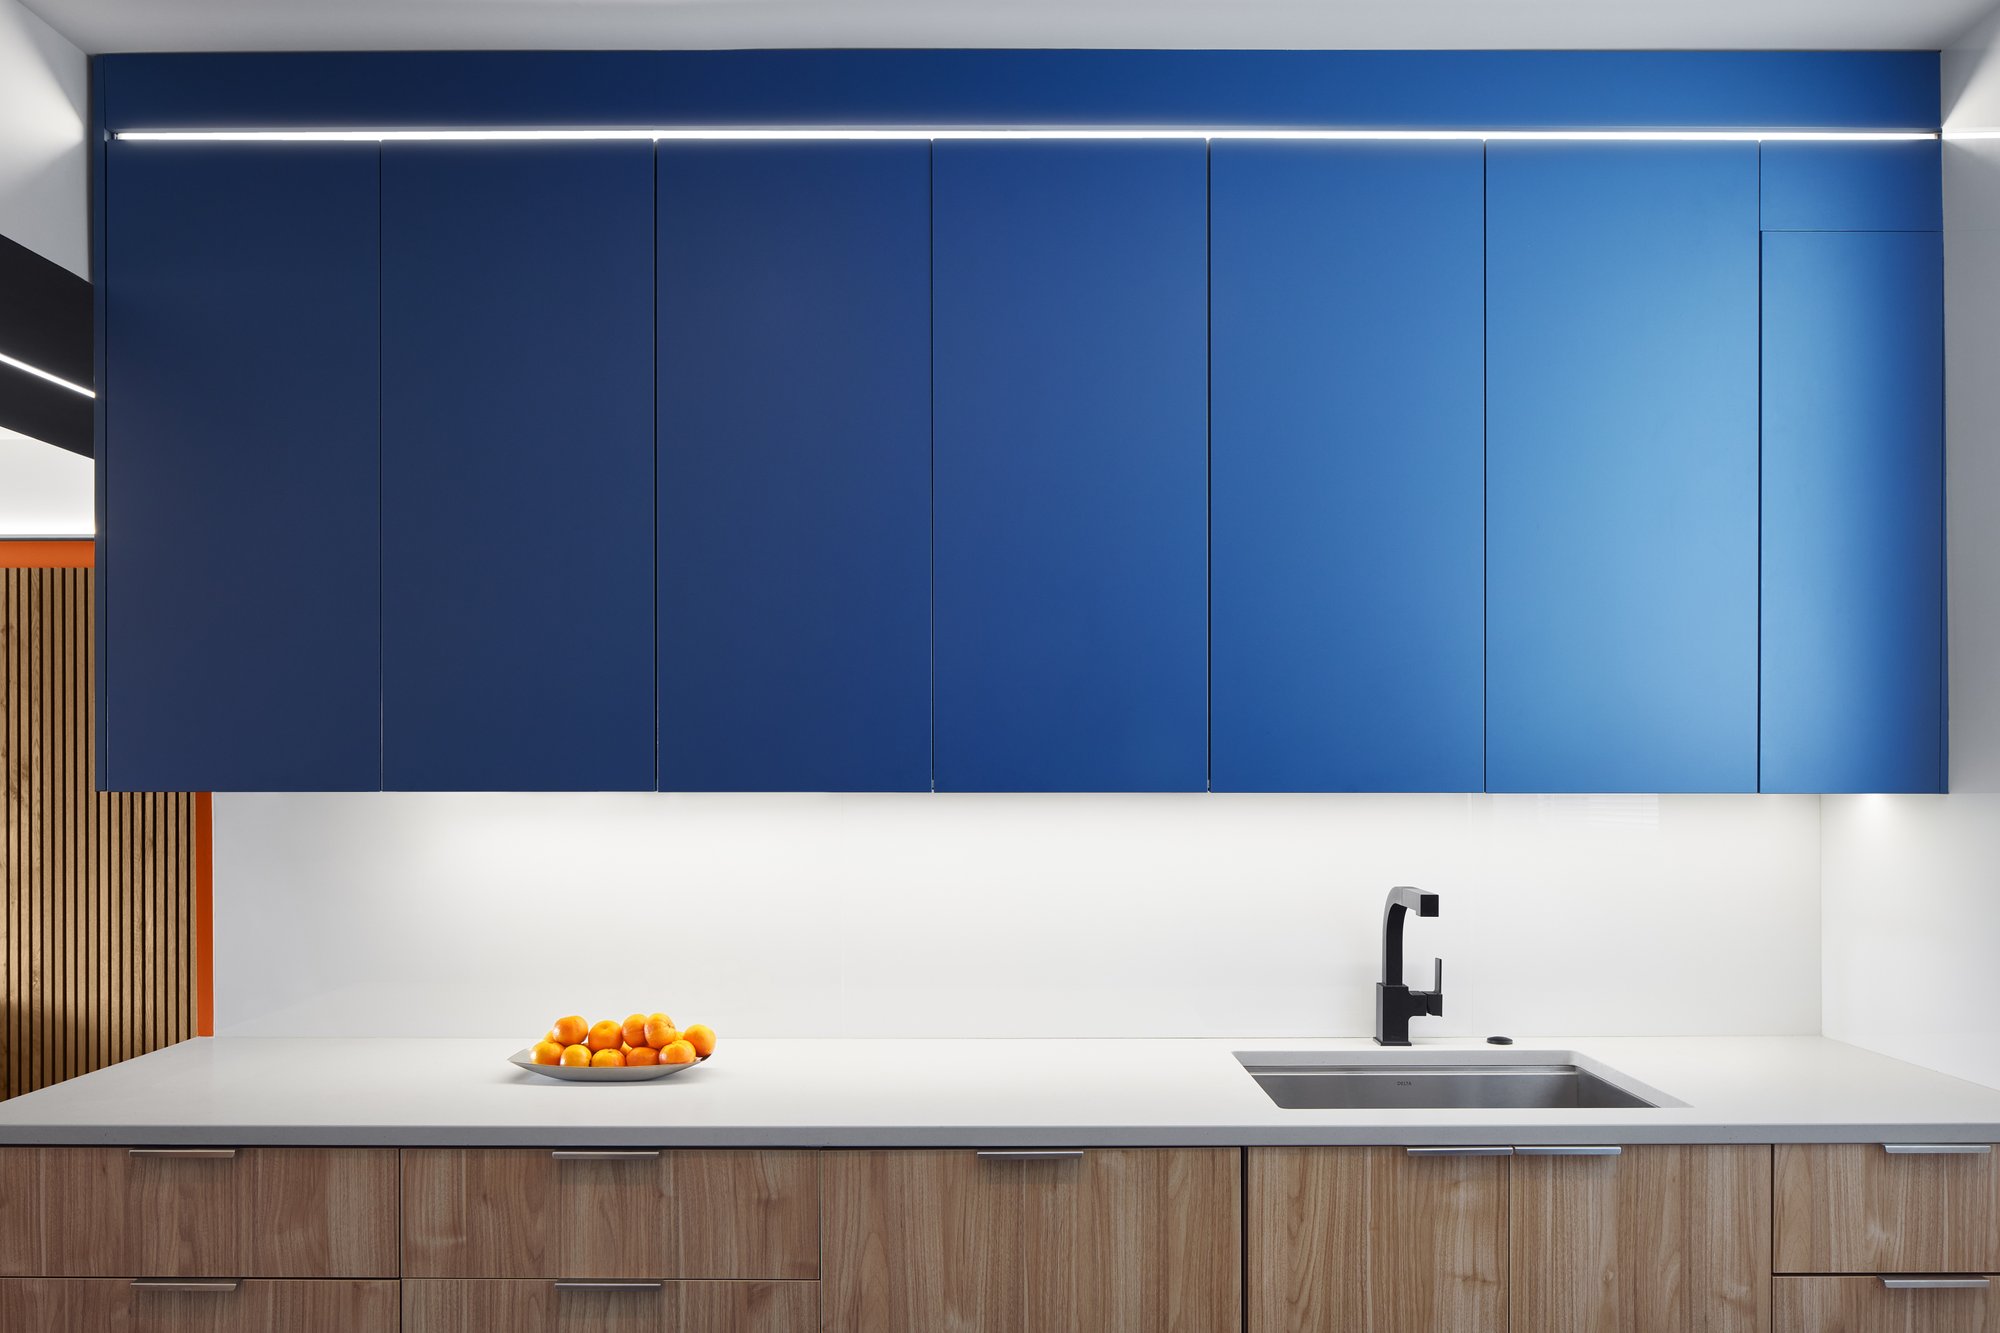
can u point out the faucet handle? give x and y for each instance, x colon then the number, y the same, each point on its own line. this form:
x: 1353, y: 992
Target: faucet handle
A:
x: 1434, y: 997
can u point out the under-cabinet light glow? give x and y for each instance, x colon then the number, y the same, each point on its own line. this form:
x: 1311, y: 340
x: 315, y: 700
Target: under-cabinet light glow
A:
x: 811, y: 133
x: 39, y: 373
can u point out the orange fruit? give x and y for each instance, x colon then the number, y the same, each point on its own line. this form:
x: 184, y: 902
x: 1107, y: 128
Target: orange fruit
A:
x: 574, y: 1056
x: 548, y: 1053
x: 607, y: 1059
x: 604, y: 1035
x: 635, y: 1029
x: 677, y: 1053
x: 569, y: 1031
x: 660, y: 1032
x: 643, y: 1055
x: 702, y: 1037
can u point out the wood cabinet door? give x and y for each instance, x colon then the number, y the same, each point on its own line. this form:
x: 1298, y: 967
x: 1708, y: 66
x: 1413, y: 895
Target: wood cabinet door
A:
x: 103, y: 1305
x: 513, y: 1306
x: 1656, y: 1239
x: 531, y: 1213
x: 1868, y: 1305
x: 226, y: 1213
x: 1864, y: 1208
x: 20, y: 1212
x: 1105, y: 1241
x: 1376, y: 1240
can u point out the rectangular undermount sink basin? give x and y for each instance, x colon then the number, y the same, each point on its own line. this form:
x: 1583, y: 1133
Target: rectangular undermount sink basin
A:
x: 1351, y: 1082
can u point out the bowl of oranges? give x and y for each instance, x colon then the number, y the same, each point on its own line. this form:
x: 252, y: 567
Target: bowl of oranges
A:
x: 644, y: 1046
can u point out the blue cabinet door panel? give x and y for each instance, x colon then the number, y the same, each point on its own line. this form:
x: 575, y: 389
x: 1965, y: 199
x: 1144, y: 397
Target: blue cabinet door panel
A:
x: 1622, y: 296
x: 794, y: 467
x: 1070, y: 382
x: 1347, y: 479
x: 238, y: 551
x: 1853, y: 606
x: 1891, y: 185
x: 517, y: 466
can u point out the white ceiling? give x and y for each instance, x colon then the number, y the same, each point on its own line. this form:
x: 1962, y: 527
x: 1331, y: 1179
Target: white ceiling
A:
x: 257, y: 25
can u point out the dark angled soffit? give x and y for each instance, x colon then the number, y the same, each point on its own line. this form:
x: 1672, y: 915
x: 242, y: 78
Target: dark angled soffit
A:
x: 45, y: 322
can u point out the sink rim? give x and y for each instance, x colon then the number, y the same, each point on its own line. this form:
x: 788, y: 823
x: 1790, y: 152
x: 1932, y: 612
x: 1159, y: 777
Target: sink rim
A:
x: 1450, y: 1062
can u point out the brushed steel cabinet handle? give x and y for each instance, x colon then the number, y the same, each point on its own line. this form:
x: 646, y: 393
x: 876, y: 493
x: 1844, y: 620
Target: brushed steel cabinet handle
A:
x: 1937, y: 1149
x: 1934, y: 1283
x: 1569, y: 1150
x: 568, y: 1285
x: 576, y: 1156
x: 169, y: 1284
x: 1029, y: 1155
x: 1467, y: 1150
x: 203, y: 1154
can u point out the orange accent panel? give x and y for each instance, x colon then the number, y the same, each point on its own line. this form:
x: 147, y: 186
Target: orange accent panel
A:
x: 20, y: 553
x: 204, y: 914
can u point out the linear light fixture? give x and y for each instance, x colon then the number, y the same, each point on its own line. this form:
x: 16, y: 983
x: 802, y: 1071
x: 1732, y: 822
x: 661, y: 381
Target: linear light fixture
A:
x: 810, y: 133
x: 39, y: 373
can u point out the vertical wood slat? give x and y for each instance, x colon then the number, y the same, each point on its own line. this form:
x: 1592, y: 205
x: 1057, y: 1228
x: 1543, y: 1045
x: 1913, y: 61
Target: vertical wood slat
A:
x: 98, y: 958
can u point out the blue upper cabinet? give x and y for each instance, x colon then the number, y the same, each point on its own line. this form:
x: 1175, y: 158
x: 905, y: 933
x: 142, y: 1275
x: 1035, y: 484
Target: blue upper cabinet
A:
x: 1347, y: 555
x: 1070, y: 382
x: 1853, y: 666
x: 1880, y: 186
x: 1622, y: 456
x: 795, y: 467
x: 517, y: 466
x: 238, y: 558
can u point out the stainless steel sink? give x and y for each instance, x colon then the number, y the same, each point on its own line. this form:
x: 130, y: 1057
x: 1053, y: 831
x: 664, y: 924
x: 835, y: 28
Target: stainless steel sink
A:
x: 1408, y: 1085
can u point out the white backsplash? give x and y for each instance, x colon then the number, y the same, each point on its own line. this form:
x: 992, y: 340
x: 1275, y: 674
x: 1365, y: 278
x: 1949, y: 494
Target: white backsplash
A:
x: 810, y: 915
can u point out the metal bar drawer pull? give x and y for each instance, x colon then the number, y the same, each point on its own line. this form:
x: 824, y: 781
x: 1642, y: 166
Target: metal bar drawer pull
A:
x: 168, y: 1284
x: 1934, y: 1283
x: 1028, y: 1155
x: 567, y: 1285
x: 1569, y: 1150
x: 1470, y: 1150
x: 1937, y: 1149
x: 571, y: 1156
x: 202, y: 1154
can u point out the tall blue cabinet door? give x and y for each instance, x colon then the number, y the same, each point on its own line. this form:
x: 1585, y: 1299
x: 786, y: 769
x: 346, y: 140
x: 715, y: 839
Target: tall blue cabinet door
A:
x: 1348, y: 471
x: 517, y: 466
x: 1853, y: 665
x: 795, y: 467
x: 1621, y: 352
x: 1071, y: 450
x: 237, y: 560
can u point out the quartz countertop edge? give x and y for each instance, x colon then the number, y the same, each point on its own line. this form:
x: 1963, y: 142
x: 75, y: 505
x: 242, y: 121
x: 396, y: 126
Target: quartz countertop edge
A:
x: 971, y: 1093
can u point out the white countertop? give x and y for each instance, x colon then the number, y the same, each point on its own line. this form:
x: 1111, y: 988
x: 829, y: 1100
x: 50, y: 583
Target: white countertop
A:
x: 817, y: 1093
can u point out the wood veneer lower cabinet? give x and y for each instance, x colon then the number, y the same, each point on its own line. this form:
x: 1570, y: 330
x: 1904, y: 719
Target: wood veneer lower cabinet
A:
x: 1376, y: 1240
x: 221, y: 1213
x: 104, y: 1305
x: 1863, y: 1208
x: 532, y: 1213
x: 1866, y: 1305
x: 1656, y: 1239
x: 1143, y: 1240
x: 503, y: 1306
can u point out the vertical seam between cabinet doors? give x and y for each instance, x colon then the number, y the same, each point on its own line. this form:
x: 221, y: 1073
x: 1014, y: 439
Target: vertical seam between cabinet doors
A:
x: 1944, y: 533
x: 1757, y: 766
x: 931, y: 379
x: 659, y: 772
x: 381, y: 618
x: 1485, y: 483
x: 1208, y: 442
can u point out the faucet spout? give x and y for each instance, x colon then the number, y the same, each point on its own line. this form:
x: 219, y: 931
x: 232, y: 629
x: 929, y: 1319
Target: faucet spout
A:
x: 1402, y: 899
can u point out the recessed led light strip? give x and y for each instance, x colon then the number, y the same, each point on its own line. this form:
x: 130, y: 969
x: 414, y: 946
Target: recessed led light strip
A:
x: 39, y: 373
x: 808, y: 133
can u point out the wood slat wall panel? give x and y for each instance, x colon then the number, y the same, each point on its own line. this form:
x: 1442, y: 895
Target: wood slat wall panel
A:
x: 98, y: 960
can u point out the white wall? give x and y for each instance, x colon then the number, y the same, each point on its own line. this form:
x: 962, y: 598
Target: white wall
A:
x: 44, y: 491
x: 1912, y: 884
x: 44, y: 109
x: 996, y: 915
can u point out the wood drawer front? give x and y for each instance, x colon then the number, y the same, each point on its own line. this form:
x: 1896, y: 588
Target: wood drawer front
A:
x: 104, y: 1305
x: 1345, y: 1239
x: 462, y: 1305
x: 263, y: 1212
x: 20, y: 1212
x: 1864, y: 1305
x: 530, y: 1213
x: 1858, y: 1208
x: 1141, y: 1240
x: 1657, y: 1239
